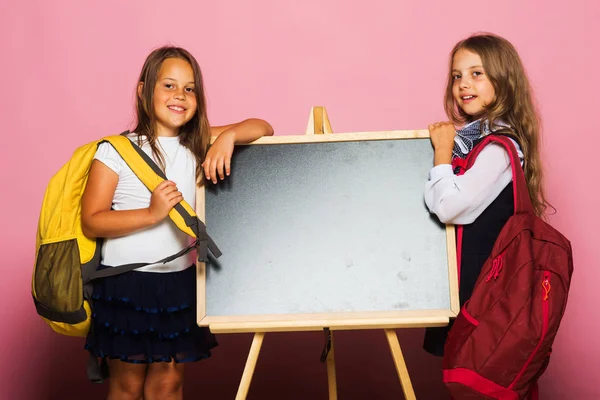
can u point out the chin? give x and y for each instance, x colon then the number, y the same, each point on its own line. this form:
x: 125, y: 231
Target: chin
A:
x: 475, y: 113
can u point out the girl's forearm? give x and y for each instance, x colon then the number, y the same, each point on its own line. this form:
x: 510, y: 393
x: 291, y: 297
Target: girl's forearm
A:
x: 112, y: 223
x: 251, y: 129
x: 442, y: 156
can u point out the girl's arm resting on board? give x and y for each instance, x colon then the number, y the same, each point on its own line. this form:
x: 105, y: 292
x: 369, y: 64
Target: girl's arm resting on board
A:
x: 245, y: 131
x: 97, y: 218
x: 218, y: 157
x: 461, y: 199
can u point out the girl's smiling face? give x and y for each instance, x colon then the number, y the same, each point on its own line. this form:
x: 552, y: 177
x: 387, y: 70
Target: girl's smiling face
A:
x: 174, y: 98
x: 471, y: 88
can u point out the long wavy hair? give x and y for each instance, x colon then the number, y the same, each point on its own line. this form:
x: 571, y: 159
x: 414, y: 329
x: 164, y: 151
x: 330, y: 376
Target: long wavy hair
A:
x: 513, y: 105
x: 195, y: 134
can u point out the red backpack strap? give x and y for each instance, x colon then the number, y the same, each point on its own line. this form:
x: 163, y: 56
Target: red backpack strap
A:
x: 521, y: 193
x: 459, y: 164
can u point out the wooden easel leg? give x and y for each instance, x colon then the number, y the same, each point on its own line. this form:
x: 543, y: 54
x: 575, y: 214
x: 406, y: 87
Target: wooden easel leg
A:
x: 250, y: 365
x: 392, y: 338
x: 331, y: 378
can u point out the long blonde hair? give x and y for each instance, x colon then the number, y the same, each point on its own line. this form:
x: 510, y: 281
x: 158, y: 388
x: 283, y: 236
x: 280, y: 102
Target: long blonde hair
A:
x: 513, y: 105
x: 195, y: 134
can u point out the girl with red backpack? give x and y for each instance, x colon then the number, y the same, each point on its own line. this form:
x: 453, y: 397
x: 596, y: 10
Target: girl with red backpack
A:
x: 488, y: 93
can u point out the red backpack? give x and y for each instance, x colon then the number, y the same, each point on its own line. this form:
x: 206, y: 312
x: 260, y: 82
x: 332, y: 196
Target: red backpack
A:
x: 501, y: 341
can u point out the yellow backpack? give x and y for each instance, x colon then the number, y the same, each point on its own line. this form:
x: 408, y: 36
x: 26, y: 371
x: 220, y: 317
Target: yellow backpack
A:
x: 66, y: 260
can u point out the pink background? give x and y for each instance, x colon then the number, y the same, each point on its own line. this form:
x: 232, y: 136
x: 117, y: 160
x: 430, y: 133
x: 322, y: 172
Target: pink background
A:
x: 68, y: 73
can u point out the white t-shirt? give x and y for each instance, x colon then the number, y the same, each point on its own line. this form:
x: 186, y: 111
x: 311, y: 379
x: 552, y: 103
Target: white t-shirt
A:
x: 163, y: 239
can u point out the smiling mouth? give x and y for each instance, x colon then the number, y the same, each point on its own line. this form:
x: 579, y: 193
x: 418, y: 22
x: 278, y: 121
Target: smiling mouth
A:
x: 176, y: 109
x: 469, y: 97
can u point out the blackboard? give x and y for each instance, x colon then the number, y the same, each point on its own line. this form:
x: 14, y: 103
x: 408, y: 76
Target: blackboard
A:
x: 327, y: 230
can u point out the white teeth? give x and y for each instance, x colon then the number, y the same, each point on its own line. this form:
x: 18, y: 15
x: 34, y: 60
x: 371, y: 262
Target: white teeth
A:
x: 467, y: 97
x: 176, y: 108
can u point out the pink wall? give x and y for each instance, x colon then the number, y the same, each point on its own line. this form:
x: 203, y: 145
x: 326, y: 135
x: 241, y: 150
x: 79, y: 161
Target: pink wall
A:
x: 68, y: 73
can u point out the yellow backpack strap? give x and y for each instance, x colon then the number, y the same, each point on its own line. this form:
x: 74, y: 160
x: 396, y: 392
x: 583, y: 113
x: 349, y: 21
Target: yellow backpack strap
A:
x: 151, y: 176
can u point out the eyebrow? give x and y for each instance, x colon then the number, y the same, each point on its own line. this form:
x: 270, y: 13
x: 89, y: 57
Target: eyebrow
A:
x: 473, y: 67
x: 175, y: 80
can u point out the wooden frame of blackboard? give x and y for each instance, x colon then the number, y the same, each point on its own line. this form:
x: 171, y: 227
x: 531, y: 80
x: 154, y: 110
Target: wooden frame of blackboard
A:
x: 260, y: 324
x: 336, y: 321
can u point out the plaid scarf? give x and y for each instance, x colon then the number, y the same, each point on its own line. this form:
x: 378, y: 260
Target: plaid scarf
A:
x: 464, y: 141
x: 467, y: 137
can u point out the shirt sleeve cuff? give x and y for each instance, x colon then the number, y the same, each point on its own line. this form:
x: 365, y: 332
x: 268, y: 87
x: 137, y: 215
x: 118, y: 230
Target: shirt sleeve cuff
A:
x: 440, y: 171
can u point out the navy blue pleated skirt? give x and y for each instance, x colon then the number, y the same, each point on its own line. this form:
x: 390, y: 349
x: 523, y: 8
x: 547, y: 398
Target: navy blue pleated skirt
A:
x: 145, y: 317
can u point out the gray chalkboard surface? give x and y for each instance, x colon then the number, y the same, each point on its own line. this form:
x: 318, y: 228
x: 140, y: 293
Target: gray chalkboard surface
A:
x: 327, y: 230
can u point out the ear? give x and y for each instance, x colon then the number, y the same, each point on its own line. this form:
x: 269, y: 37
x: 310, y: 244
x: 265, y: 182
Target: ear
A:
x: 139, y: 89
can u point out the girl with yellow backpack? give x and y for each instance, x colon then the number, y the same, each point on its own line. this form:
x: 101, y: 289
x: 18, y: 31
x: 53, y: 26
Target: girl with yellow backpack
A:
x: 144, y: 321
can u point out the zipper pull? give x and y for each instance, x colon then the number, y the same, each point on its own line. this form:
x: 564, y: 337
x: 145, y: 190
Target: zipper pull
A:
x: 493, y: 270
x: 496, y: 267
x: 499, y: 267
x: 547, y: 287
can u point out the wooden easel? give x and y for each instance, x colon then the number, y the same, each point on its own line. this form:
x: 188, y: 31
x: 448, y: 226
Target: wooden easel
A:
x: 318, y: 123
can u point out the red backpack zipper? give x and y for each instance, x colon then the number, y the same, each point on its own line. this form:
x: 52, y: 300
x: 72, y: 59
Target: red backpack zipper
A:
x: 545, y: 317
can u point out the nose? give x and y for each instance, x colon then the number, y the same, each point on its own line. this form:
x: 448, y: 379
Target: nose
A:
x: 465, y: 82
x: 179, y: 94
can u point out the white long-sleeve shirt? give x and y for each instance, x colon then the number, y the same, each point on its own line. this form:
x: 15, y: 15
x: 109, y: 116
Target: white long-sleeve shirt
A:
x: 461, y: 199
